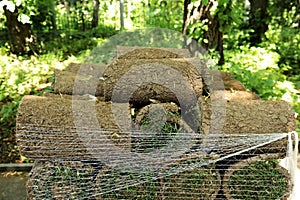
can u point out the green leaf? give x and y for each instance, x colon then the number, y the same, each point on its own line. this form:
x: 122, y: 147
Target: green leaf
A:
x: 205, y: 2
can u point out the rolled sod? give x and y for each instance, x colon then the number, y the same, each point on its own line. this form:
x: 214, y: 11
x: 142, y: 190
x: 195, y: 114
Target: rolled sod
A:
x: 79, y: 79
x: 189, y: 178
x: 162, y: 79
x: 258, y: 177
x: 158, y: 124
x: 57, y: 179
x: 130, y: 52
x: 115, y: 183
x: 234, y: 95
x: 246, y: 116
x: 57, y: 126
x: 218, y: 80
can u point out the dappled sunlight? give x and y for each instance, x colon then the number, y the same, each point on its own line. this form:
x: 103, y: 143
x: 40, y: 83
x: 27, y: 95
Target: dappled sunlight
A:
x: 257, y: 68
x: 68, y: 47
x: 28, y: 75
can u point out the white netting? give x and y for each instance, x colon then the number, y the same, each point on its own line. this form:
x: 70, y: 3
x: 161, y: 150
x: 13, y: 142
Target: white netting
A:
x: 237, y: 166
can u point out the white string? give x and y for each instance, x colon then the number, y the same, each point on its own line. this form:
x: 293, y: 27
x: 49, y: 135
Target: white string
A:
x: 292, y: 159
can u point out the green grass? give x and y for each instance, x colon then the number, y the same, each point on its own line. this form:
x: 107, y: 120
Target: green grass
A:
x: 260, y: 180
x: 122, y: 184
x: 48, y: 179
x: 188, y: 179
x: 152, y: 138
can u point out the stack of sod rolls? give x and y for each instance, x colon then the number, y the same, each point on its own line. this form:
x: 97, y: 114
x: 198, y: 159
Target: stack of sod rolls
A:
x: 134, y: 111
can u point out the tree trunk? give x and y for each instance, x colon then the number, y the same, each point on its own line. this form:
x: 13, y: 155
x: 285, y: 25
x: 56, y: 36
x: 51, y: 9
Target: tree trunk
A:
x: 21, y: 37
x: 213, y: 35
x: 53, y: 18
x: 121, y: 14
x: 81, y: 14
x: 185, y: 16
x: 258, y: 20
x: 95, y: 19
x: 67, y: 6
x: 82, y: 21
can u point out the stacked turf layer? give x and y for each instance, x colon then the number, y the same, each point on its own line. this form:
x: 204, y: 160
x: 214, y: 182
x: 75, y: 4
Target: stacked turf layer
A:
x: 257, y: 177
x: 55, y: 126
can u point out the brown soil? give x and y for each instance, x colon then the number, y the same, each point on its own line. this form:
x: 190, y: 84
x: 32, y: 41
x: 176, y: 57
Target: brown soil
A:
x: 124, y: 76
x: 127, y: 52
x: 247, y: 116
x: 56, y: 126
x: 79, y: 79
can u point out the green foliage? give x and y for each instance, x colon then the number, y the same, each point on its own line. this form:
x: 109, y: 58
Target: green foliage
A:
x: 20, y: 76
x: 258, y: 70
x: 230, y: 14
x: 157, y: 13
x: 7, y: 118
x: 148, y: 37
x: 165, y: 14
x: 298, y: 126
x: 41, y: 14
x: 286, y: 42
x: 73, y: 42
x: 283, y: 35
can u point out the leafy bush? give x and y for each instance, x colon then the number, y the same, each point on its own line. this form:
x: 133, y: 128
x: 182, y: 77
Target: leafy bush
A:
x: 283, y: 34
x: 257, y: 68
x: 20, y: 76
x: 148, y: 37
x: 286, y: 42
x: 73, y: 42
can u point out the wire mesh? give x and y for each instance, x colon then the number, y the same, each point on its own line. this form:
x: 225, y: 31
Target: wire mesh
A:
x: 214, y: 166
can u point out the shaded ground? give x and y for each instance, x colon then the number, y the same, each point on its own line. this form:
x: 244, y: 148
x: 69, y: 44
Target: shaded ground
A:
x: 9, y: 152
x: 12, y: 185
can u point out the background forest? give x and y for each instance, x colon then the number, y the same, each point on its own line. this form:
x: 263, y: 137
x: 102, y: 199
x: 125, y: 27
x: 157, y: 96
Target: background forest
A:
x: 256, y: 40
